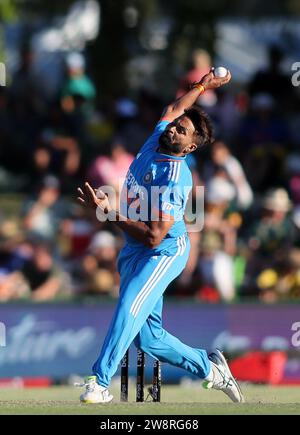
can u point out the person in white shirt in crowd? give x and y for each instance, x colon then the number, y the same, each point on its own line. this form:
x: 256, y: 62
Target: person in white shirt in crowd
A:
x: 222, y: 157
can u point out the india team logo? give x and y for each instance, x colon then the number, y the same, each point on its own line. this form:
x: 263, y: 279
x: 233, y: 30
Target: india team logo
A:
x: 148, y: 177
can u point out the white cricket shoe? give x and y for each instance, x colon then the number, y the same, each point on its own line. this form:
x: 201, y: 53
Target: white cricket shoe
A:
x: 94, y: 393
x: 222, y: 378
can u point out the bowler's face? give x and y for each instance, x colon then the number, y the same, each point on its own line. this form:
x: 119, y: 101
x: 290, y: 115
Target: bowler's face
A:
x: 178, y: 135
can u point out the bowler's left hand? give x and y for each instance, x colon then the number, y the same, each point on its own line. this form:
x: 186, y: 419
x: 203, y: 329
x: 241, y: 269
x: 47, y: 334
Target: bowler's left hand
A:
x: 93, y: 198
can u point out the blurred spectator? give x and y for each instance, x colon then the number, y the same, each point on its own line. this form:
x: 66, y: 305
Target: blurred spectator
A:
x: 64, y: 137
x: 58, y: 149
x: 5, y: 129
x: 77, y: 82
x: 282, y: 281
x: 136, y: 122
x: 99, y: 265
x: 292, y: 167
x: 222, y: 157
x: 13, y: 255
x: 227, y: 113
x: 265, y: 135
x: 263, y: 125
x: 271, y: 80
x: 27, y: 86
x: 272, y: 236
x: 42, y: 214
x: 77, y: 95
x: 218, y: 242
x: 274, y: 231
x: 76, y: 232
x: 40, y: 165
x: 26, y: 108
x: 200, y: 65
x: 44, y: 277
x: 28, y: 270
x: 112, y: 169
x: 12, y: 286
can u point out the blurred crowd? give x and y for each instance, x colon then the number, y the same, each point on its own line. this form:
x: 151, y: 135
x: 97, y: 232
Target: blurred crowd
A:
x: 52, y: 248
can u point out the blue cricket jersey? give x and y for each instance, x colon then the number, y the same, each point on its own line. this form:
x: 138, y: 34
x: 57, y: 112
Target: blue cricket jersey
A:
x: 157, y: 186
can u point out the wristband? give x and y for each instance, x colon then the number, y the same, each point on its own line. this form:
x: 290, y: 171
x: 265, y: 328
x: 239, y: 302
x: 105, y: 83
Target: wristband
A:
x: 200, y: 87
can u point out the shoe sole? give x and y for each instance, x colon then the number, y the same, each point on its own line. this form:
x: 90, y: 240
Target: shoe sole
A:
x: 90, y: 402
x: 223, y: 359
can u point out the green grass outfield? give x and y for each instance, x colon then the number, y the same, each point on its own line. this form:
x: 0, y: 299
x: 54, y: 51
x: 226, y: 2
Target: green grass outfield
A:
x: 176, y: 400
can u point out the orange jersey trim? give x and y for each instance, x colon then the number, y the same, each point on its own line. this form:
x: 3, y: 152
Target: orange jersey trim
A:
x: 168, y: 160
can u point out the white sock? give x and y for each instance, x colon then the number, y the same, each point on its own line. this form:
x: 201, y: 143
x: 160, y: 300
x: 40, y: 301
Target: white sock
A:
x: 214, y: 375
x: 210, y: 376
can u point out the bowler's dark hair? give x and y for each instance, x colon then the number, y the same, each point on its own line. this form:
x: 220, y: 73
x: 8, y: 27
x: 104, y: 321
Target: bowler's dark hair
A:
x: 202, y: 124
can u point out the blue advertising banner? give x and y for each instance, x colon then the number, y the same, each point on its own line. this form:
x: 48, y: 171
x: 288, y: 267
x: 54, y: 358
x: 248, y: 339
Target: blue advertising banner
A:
x: 61, y: 340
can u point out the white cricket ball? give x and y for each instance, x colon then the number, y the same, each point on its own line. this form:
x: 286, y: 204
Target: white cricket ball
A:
x: 100, y: 194
x: 220, y: 71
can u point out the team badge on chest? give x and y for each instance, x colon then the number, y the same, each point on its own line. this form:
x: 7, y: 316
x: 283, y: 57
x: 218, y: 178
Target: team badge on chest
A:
x: 147, y: 177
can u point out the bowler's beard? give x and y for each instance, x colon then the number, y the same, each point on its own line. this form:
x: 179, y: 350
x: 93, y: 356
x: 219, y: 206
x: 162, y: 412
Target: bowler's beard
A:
x: 165, y: 144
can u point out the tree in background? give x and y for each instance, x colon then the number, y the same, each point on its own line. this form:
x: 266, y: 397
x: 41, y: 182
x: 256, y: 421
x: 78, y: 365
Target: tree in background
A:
x: 123, y: 24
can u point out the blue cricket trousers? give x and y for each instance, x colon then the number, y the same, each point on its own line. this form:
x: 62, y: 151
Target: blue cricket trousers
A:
x: 138, y: 316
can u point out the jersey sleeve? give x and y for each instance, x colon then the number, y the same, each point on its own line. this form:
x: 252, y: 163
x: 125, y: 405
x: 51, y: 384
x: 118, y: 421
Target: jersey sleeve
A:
x: 152, y: 142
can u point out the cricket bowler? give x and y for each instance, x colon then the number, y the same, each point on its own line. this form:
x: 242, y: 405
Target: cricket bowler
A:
x: 156, y: 249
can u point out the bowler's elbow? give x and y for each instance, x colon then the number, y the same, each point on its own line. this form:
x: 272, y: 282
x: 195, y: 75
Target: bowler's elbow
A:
x: 153, y: 239
x: 158, y: 231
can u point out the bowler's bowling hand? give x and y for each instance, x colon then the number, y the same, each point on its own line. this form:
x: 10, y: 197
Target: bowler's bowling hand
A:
x: 210, y: 81
x: 93, y: 198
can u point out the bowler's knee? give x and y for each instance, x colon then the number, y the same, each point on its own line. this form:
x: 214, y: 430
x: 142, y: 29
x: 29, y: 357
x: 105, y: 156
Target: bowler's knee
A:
x: 147, y: 339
